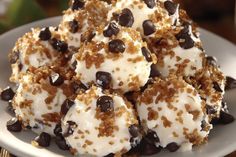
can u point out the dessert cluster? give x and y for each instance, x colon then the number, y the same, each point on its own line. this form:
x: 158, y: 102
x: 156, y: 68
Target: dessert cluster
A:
x: 117, y: 77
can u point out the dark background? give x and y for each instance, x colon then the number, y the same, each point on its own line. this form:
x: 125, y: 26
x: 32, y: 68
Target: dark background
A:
x: 214, y: 15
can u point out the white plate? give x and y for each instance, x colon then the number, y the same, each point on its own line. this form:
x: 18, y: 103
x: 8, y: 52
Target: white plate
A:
x: 222, y: 139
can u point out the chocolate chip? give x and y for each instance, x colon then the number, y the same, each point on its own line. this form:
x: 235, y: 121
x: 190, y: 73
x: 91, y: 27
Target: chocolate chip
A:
x: 43, y: 140
x: 71, y: 127
x: 116, y: 46
x: 126, y: 18
x: 7, y: 94
x: 134, y: 130
x: 217, y: 87
x: 146, y: 148
x: 110, y: 155
x: 150, y: 3
x: 61, y: 143
x: 58, y: 45
x: 186, y: 43
x: 183, y: 33
x: 45, y: 34
x: 210, y: 110
x: 14, y: 125
x: 74, y: 26
x: 230, y: 83
x: 56, y: 79
x: 154, y: 71
x: 111, y: 30
x: 203, y: 125
x: 14, y: 56
x: 211, y: 61
x: 10, y: 108
x: 105, y: 103
x: 147, y: 54
x: 77, y: 4
x: 152, y: 137
x: 77, y: 87
x: 103, y: 79
x: 58, y: 130
x: 91, y: 36
x: 67, y: 104
x: 20, y: 66
x: 171, y: 7
x: 148, y: 27
x: 225, y: 118
x: 172, y: 147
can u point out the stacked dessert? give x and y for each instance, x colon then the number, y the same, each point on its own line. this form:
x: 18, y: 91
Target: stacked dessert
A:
x: 116, y: 76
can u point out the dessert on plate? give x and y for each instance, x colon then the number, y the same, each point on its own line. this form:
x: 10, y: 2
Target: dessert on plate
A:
x: 117, y: 78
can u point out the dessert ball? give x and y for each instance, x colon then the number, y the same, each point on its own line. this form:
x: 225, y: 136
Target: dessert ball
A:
x: 146, y: 16
x: 174, y: 111
x: 115, y: 58
x: 38, y: 99
x: 40, y: 47
x: 210, y: 83
x: 179, y: 51
x: 80, y: 21
x: 100, y: 120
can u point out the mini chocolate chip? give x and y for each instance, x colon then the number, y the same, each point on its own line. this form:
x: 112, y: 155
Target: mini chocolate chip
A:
x: 110, y: 155
x: 172, y: 147
x: 58, y: 130
x: 43, y: 140
x: 150, y: 3
x: 7, y: 94
x: 148, y: 27
x: 183, y: 33
x: 67, y: 104
x: 203, y: 125
x: 61, y: 143
x: 45, y: 34
x: 146, y: 148
x: 216, y: 86
x: 58, y: 45
x: 116, y: 46
x: 77, y: 4
x: 112, y: 29
x: 103, y: 79
x: 91, y: 36
x: 105, y: 103
x: 134, y: 130
x: 187, y: 42
x: 230, y: 83
x: 211, y: 61
x: 71, y: 127
x: 74, y: 26
x: 77, y: 87
x: 126, y: 18
x: 225, y: 118
x: 171, y: 7
x: 152, y: 137
x: 147, y: 54
x: 154, y: 71
x: 10, y: 108
x: 14, y: 56
x: 56, y: 79
x: 14, y: 125
x: 20, y: 66
x: 210, y: 110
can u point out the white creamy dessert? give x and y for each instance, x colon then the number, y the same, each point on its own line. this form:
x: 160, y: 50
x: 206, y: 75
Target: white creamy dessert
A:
x: 175, y: 112
x: 80, y: 21
x: 40, y: 47
x: 121, y: 61
x: 38, y: 100
x: 98, y: 123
